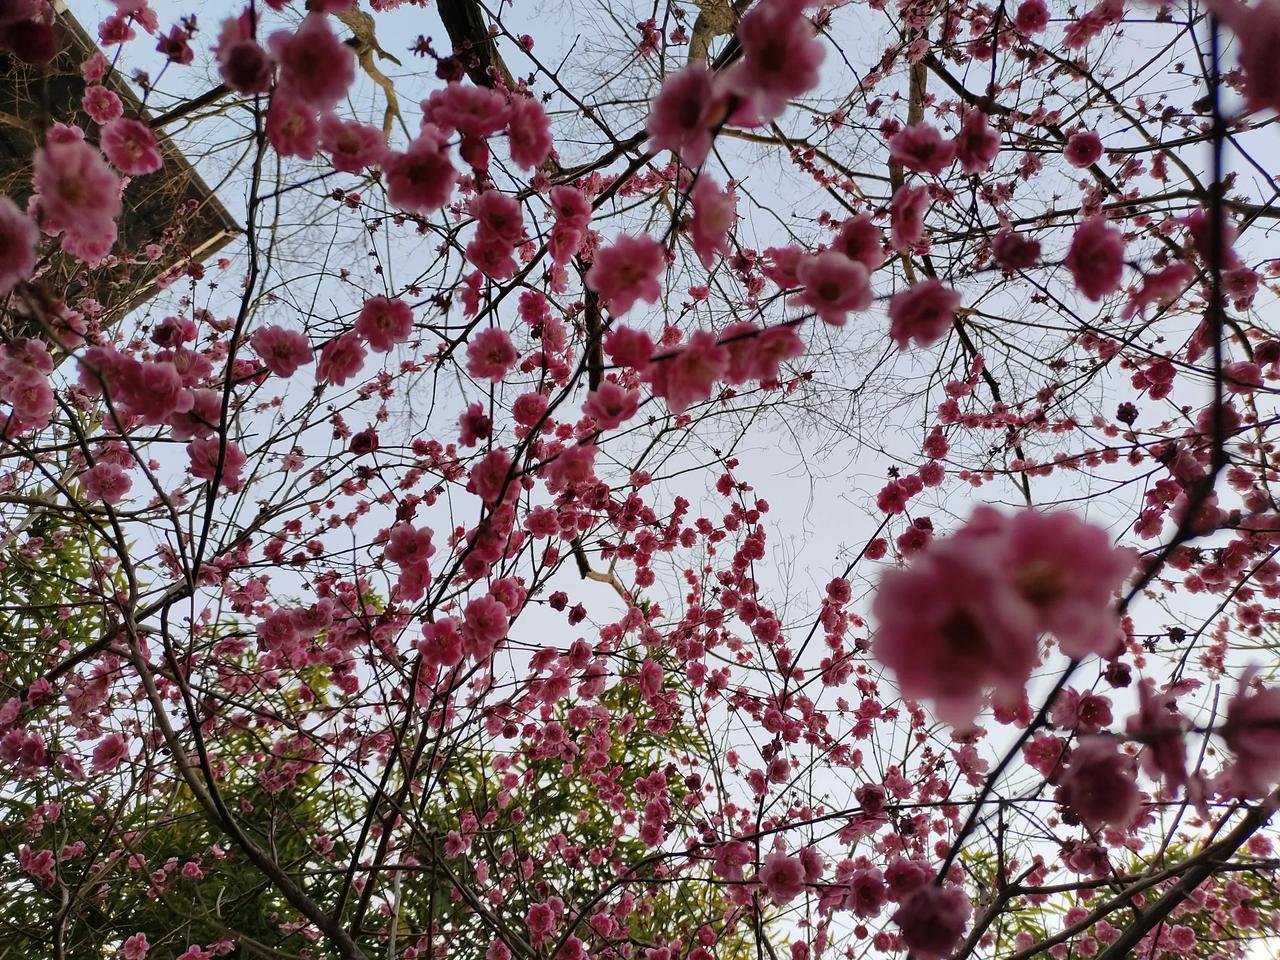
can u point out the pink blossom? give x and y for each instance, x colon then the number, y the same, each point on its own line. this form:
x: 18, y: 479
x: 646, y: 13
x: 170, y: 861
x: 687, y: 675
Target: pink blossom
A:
x: 489, y: 477
x: 782, y: 877
x: 867, y: 893
x: 243, y: 64
x: 491, y: 354
x: 77, y: 195
x: 498, y: 216
x: 291, y: 127
x: 384, y: 322
x: 683, y: 114
x: 1257, y: 28
x: 715, y: 211
x: 1098, y: 784
x: 528, y: 133
x: 950, y: 627
x: 131, y: 147
x: 341, y: 359
x: 1068, y: 571
x: 1015, y: 251
x: 540, y: 919
x: 766, y: 351
x: 1032, y: 16
x: 18, y: 237
x: 906, y: 216
x: 484, y: 626
x: 976, y: 144
x: 135, y: 947
x: 834, y: 286
x: 1083, y: 149
x: 922, y: 314
x: 441, y: 643
x: 281, y: 351
x: 861, y: 241
x: 204, y: 456
x: 1162, y: 732
x: 921, y: 148
x: 628, y: 347
x: 153, y: 391
x: 470, y: 110
x: 687, y: 377
x: 106, y: 482
x: 494, y: 257
x: 408, y: 545
x: 627, y: 271
x: 1096, y: 258
x: 780, y: 56
x: 421, y: 178
x: 611, y: 405
x: 932, y: 920
x: 101, y: 104
x: 351, y: 146
x: 1252, y: 734
x: 1242, y: 376
x: 110, y: 752
x: 316, y: 68
x: 570, y: 207
x: 782, y: 263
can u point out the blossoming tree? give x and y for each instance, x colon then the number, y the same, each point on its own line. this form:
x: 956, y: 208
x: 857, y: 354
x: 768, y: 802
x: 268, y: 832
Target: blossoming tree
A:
x: 664, y: 481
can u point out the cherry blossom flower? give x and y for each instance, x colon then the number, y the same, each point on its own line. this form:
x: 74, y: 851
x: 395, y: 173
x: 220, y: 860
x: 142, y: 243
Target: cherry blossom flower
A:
x: 1162, y: 732
x: 205, y: 455
x: 106, y: 482
x: 1083, y: 149
x: 782, y: 877
x: 1015, y: 251
x: 384, y: 322
x: 922, y: 314
x: 861, y: 241
x: 932, y: 920
x: 1252, y: 734
x: 243, y: 64
x: 834, y: 286
x: 1257, y: 27
x: 977, y: 144
x: 528, y: 133
x: 110, y: 752
x: 134, y: 947
x: 1032, y: 16
x: 611, y: 405
x: 682, y: 116
x: 906, y: 216
x: 101, y: 104
x: 950, y: 627
x: 18, y: 237
x: 281, y: 351
x: 1096, y: 258
x: 714, y: 214
x: 1098, y: 784
x: 76, y: 195
x: 1068, y: 571
x: 421, y: 178
x: 316, y: 68
x: 292, y: 128
x: 490, y: 354
x: 922, y: 149
x: 341, y: 359
x: 472, y: 111
x: 627, y: 271
x: 351, y: 146
x: 687, y: 376
x: 131, y: 147
x: 780, y: 56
